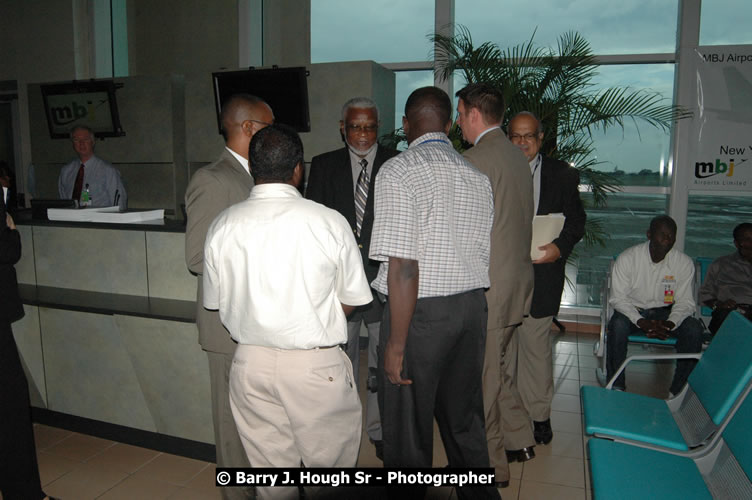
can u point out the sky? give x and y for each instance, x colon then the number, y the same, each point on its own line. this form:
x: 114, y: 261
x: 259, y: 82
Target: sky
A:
x: 397, y: 31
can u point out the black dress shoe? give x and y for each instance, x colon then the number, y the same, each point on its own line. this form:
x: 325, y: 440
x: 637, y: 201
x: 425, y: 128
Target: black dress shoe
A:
x: 542, y: 432
x: 522, y: 455
x: 501, y: 484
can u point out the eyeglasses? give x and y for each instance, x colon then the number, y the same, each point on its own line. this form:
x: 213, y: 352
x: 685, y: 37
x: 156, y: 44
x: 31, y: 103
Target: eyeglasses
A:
x: 523, y: 137
x: 359, y: 129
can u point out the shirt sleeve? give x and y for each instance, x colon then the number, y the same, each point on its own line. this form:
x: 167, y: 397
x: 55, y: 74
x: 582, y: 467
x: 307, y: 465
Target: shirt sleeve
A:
x: 351, y: 284
x: 395, y: 226
x: 621, y: 286
x: 684, y: 301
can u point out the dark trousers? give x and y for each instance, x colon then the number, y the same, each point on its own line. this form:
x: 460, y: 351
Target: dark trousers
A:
x: 688, y: 339
x: 19, y: 473
x: 444, y: 359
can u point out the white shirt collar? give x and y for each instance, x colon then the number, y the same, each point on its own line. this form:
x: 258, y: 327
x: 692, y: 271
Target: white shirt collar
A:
x: 477, y: 139
x: 240, y: 159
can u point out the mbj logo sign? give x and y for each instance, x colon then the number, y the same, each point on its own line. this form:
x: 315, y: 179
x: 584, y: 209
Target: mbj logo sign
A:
x: 75, y: 110
x: 65, y: 109
x: 705, y: 169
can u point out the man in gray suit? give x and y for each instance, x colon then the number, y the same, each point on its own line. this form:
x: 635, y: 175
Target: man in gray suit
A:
x: 212, y: 189
x: 480, y: 111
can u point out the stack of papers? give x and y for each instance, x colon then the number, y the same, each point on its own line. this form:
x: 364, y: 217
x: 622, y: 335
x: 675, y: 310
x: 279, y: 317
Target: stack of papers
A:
x: 546, y: 228
x: 103, y: 214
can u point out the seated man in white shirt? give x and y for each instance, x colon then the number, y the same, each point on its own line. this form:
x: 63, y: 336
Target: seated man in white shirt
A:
x: 284, y: 272
x: 651, y: 292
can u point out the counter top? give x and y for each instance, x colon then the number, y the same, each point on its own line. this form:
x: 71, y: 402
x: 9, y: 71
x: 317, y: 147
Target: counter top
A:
x: 23, y: 218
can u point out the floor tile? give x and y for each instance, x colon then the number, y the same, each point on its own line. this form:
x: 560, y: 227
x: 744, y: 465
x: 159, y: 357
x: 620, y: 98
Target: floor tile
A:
x: 566, y: 386
x: 565, y: 347
x: 80, y: 447
x: 512, y: 491
x: 588, y: 361
x: 563, y: 471
x: 564, y: 444
x: 125, y: 458
x: 143, y: 488
x: 515, y: 470
x: 52, y: 467
x: 172, y: 469
x: 566, y: 422
x: 566, y: 372
x: 565, y: 358
x: 532, y: 490
x: 566, y: 402
x: 86, y: 481
x: 191, y: 494
x: 46, y: 436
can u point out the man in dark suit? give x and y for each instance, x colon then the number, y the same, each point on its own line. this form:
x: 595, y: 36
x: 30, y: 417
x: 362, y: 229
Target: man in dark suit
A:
x: 212, y: 189
x: 19, y: 472
x: 480, y: 110
x: 555, y: 190
x: 344, y: 181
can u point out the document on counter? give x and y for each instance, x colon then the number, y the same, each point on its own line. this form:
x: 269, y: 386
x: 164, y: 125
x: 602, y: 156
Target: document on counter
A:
x: 546, y: 228
x: 103, y: 214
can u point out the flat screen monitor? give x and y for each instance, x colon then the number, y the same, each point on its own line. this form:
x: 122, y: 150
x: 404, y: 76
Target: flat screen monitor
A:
x: 284, y: 89
x: 91, y: 103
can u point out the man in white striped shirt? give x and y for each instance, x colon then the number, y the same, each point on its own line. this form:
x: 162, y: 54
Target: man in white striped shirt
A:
x: 432, y: 227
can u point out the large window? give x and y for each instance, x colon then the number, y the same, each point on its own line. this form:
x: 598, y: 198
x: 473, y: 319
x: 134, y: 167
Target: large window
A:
x: 725, y: 22
x: 711, y: 221
x: 625, y: 27
x: 382, y: 31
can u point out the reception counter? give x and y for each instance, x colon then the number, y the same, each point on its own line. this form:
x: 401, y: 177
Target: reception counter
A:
x: 109, y: 333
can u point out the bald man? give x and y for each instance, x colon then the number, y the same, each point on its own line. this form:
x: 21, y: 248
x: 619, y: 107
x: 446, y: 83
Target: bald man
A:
x: 212, y: 189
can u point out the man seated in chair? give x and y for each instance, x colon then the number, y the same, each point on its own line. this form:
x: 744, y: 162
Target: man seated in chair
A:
x: 651, y: 293
x: 728, y: 282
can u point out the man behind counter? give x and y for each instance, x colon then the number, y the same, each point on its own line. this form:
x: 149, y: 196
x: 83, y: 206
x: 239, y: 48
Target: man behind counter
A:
x: 90, y: 173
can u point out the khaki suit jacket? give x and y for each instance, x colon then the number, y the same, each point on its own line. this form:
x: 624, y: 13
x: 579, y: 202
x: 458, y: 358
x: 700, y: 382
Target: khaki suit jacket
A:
x: 510, y: 268
x: 211, y: 190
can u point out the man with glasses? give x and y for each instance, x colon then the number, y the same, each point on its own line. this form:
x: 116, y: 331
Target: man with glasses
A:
x: 90, y: 179
x: 212, y: 189
x: 344, y: 181
x: 555, y: 190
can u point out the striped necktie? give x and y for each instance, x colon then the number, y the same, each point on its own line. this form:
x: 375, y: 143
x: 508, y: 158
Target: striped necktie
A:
x: 361, y: 195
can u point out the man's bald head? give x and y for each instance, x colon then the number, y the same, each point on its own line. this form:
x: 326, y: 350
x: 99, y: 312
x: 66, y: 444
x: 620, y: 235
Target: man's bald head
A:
x: 428, y: 109
x: 242, y: 116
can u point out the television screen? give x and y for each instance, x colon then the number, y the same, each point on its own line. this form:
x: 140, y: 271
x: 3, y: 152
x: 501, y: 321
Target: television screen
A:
x: 284, y: 89
x: 91, y: 103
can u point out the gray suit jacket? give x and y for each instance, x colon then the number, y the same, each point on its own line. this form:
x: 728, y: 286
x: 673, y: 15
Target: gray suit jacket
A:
x: 510, y: 269
x: 212, y: 189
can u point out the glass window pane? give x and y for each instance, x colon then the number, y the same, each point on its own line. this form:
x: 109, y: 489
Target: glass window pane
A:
x: 624, y: 221
x: 385, y: 31
x: 711, y: 221
x: 630, y: 26
x: 405, y: 83
x: 638, y: 154
x: 725, y: 22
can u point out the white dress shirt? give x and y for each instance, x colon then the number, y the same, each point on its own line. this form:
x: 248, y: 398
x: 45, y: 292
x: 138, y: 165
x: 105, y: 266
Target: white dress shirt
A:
x: 638, y: 282
x: 278, y: 267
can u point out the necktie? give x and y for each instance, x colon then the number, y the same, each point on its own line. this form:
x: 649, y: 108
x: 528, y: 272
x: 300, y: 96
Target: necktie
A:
x: 79, y: 185
x: 361, y: 195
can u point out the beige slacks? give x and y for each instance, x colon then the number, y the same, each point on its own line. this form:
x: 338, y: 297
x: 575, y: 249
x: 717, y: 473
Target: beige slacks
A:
x: 295, y: 407
x: 535, y: 370
x: 507, y: 423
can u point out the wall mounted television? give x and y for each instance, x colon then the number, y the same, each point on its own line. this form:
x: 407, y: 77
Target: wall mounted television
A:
x: 92, y: 103
x: 284, y: 89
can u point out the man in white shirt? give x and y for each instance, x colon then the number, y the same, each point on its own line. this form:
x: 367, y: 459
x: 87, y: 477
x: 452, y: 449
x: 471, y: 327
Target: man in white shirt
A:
x: 91, y: 174
x: 651, y: 293
x: 284, y: 272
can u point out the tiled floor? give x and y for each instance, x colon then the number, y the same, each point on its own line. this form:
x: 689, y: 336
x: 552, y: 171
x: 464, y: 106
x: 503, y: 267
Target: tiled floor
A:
x: 77, y: 467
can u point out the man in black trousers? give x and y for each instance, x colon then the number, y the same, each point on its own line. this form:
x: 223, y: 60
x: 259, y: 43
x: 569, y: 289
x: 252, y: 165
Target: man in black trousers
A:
x: 19, y: 473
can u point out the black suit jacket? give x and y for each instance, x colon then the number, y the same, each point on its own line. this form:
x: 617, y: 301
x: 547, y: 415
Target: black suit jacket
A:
x: 11, y: 308
x: 330, y: 182
x: 559, y: 193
